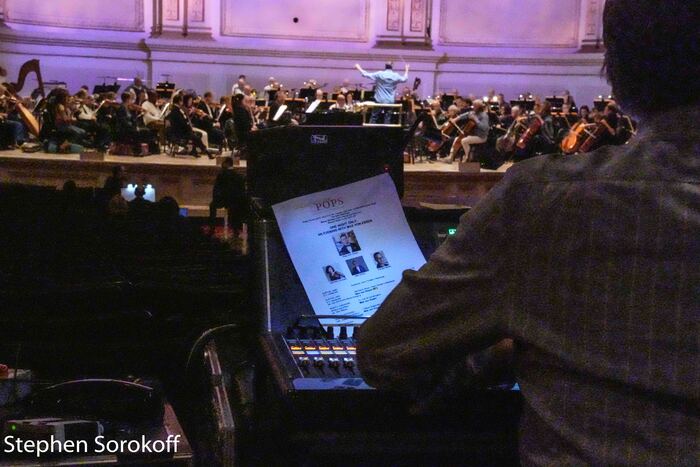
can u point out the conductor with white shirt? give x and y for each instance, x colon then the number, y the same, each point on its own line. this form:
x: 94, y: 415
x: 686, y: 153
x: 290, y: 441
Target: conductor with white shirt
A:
x: 385, y: 83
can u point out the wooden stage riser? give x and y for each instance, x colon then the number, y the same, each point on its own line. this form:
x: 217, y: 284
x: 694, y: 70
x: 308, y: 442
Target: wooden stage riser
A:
x: 192, y: 185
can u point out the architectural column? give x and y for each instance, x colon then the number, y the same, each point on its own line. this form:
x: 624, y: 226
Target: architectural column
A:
x: 592, y: 24
x: 407, y: 24
x: 182, y: 18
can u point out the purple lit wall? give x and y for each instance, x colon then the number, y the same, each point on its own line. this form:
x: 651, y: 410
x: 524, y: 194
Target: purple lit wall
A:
x: 543, y: 46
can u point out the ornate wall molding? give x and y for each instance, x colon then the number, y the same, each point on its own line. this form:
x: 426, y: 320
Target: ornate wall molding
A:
x: 328, y: 21
x: 171, y: 10
x: 551, y: 24
x: 82, y: 14
x: 196, y: 11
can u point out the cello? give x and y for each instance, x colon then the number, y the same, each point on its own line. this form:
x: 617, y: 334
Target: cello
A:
x: 532, y: 130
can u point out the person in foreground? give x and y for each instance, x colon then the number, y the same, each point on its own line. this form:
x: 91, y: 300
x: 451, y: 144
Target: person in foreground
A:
x: 589, y: 263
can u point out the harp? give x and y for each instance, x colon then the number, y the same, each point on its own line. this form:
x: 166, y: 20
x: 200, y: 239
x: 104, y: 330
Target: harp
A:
x: 28, y: 67
x: 14, y: 88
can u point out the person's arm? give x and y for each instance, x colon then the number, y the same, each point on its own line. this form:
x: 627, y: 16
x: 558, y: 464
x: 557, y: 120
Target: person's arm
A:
x: 404, y: 78
x: 451, y: 307
x: 365, y: 73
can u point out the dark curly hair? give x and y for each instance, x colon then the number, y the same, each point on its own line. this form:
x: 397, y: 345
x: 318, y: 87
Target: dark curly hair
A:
x: 653, y: 52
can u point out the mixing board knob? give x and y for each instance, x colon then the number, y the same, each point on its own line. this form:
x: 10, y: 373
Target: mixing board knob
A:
x: 348, y: 363
x: 319, y: 362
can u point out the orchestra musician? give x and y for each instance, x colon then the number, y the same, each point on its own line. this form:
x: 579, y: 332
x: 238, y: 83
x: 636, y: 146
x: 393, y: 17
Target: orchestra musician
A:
x: 205, y: 119
x: 315, y: 106
x: 12, y: 132
x: 65, y: 124
x: 153, y: 116
x: 87, y: 119
x: 272, y: 85
x: 181, y: 127
x: 243, y: 119
x: 340, y: 104
x: 385, y: 83
x: 128, y: 130
x: 540, y: 138
x: 479, y: 136
x: 239, y: 85
x: 585, y: 114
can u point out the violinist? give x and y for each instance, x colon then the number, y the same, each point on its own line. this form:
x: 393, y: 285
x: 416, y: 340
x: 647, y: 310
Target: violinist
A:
x: 63, y: 120
x: 181, y: 127
x: 205, y: 119
x: 479, y: 134
x: 154, y: 117
x: 127, y: 123
x: 192, y: 115
x: 87, y: 119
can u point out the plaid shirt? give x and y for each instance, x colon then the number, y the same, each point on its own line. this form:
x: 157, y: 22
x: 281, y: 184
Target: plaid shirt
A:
x: 591, y: 263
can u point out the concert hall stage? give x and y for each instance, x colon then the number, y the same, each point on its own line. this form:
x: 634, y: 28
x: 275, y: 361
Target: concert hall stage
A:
x: 190, y: 180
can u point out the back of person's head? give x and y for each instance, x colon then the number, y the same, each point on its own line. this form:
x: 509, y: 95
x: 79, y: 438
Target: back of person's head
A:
x: 69, y: 187
x: 168, y: 209
x: 177, y: 99
x: 126, y: 97
x: 653, y: 53
x: 139, y: 191
x: 238, y: 99
x: 227, y: 163
x: 117, y: 206
x: 389, y: 65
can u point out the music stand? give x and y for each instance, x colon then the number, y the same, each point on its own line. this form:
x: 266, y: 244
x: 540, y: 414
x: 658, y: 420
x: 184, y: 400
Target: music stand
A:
x: 165, y: 90
x: 307, y: 93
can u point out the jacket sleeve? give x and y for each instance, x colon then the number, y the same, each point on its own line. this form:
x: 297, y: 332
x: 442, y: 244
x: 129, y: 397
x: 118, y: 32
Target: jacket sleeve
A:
x: 451, y: 307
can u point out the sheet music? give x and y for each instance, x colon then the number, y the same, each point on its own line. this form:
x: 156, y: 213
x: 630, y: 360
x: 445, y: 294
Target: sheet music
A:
x: 280, y: 111
x: 312, y: 108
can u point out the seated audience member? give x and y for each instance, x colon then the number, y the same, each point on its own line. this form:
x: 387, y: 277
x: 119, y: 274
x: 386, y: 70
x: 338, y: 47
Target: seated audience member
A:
x: 114, y: 183
x: 139, y: 207
x: 229, y: 192
x: 181, y: 128
x: 589, y: 264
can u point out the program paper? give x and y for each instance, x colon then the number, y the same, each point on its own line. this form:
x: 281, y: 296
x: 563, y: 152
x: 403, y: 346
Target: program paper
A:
x: 349, y: 245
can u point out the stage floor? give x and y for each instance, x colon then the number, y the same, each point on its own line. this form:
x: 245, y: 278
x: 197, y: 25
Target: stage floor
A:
x: 190, y: 180
x: 164, y: 159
